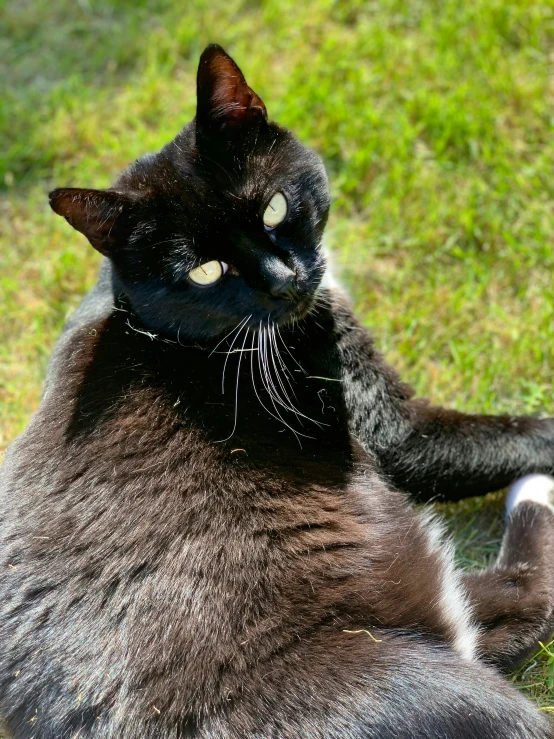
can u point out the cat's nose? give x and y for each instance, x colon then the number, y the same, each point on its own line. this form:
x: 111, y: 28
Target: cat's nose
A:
x: 283, y: 285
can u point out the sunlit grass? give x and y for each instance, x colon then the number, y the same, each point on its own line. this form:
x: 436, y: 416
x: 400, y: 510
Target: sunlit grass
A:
x: 435, y: 121
x: 536, y: 678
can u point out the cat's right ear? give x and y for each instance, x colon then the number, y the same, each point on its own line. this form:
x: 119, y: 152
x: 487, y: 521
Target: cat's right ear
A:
x: 103, y: 216
x: 226, y: 104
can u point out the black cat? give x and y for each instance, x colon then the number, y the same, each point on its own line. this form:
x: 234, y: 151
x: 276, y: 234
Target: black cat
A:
x: 201, y: 530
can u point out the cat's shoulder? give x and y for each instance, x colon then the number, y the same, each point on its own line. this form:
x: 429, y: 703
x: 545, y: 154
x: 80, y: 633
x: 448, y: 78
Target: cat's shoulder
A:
x: 87, y: 320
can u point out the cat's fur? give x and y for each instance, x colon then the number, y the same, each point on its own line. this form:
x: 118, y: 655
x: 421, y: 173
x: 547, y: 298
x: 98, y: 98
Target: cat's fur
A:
x: 181, y: 563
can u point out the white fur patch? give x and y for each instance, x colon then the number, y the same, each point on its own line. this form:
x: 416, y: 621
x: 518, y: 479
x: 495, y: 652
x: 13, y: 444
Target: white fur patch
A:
x: 453, y: 599
x: 535, y: 488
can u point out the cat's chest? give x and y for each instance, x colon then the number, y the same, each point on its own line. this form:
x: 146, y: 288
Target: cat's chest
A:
x: 138, y: 417
x: 193, y: 445
x: 269, y: 412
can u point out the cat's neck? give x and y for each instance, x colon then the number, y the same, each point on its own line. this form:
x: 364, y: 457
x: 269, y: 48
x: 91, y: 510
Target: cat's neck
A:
x: 278, y: 389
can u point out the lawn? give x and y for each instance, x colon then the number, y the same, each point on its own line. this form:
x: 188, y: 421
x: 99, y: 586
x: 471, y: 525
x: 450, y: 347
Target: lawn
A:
x: 435, y: 120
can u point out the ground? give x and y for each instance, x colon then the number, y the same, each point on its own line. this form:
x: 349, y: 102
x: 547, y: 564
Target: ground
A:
x: 435, y: 121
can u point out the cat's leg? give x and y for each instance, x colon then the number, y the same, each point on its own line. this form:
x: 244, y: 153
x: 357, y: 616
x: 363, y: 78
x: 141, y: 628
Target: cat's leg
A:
x: 430, y: 452
x: 447, y: 455
x: 514, y: 599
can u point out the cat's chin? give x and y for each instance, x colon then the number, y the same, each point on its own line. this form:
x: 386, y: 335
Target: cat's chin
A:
x: 286, y: 314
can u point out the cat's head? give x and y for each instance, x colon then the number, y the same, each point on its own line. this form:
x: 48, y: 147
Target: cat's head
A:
x: 223, y: 224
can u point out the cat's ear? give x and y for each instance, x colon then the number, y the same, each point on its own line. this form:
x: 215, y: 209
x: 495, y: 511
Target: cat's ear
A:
x: 225, y: 102
x: 103, y: 216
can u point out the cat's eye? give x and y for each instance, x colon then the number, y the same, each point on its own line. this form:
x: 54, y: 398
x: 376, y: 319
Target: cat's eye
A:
x: 208, y: 273
x: 276, y: 210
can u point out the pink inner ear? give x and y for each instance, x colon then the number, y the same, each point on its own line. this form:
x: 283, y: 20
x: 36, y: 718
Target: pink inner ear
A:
x: 223, y: 93
x: 95, y: 213
x: 232, y: 97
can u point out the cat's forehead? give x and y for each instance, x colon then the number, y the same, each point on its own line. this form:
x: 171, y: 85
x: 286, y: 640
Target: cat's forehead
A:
x: 252, y: 164
x: 250, y: 170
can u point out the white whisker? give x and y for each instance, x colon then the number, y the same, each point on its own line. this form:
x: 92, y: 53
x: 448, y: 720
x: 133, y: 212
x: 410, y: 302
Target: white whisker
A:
x: 278, y: 377
x: 291, y: 406
x: 276, y: 417
x: 239, y: 325
x: 263, y: 371
x: 269, y: 385
x: 286, y: 372
x: 237, y: 388
x: 242, y: 325
x: 288, y: 352
x: 267, y: 373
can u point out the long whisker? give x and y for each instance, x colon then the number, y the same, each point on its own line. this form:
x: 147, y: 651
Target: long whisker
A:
x: 287, y: 402
x: 290, y: 405
x: 286, y: 374
x: 237, y: 387
x: 239, y: 325
x: 288, y: 352
x: 269, y: 385
x: 252, y: 374
x: 261, y: 376
x: 267, y: 373
x: 263, y: 371
x: 276, y: 417
x: 228, y: 354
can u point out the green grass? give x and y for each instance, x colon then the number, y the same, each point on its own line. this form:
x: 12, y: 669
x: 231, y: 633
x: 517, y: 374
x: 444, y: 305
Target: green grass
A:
x: 435, y: 121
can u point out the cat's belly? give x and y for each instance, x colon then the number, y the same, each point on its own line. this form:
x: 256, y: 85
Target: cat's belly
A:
x: 194, y: 583
x: 152, y: 571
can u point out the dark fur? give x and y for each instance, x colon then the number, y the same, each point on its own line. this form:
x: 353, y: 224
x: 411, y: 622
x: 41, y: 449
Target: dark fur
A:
x: 171, y: 573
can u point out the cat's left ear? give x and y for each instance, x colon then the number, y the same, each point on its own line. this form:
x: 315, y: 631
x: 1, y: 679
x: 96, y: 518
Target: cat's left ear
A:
x: 225, y: 102
x: 105, y: 217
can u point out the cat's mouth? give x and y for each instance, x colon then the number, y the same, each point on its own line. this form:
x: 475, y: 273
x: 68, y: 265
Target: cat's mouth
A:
x: 300, y: 309
x: 283, y: 311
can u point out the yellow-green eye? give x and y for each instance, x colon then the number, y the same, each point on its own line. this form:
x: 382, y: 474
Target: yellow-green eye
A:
x: 208, y: 273
x: 275, y: 211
